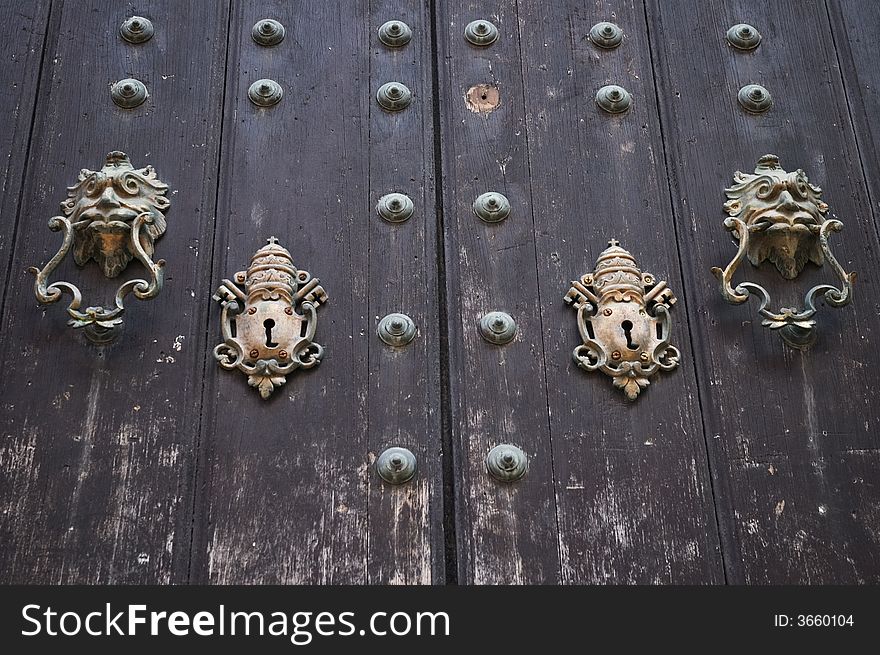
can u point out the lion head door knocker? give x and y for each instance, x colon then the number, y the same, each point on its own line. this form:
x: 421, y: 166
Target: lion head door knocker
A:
x: 269, y: 326
x: 623, y: 318
x: 780, y: 217
x: 112, y: 216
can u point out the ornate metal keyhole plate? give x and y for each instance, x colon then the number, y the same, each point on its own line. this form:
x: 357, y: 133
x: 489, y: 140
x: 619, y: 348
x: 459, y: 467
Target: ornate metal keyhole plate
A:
x: 623, y: 318
x: 269, y: 319
x: 780, y: 217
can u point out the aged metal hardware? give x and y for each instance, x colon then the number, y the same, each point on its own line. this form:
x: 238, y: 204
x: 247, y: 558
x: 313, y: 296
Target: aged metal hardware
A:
x: 396, y: 465
x: 507, y: 463
x: 267, y: 32
x: 754, y: 98
x: 395, y: 207
x: 613, y: 99
x: 112, y: 216
x: 396, y: 329
x: 743, y: 37
x: 481, y: 33
x: 492, y: 207
x: 129, y: 93
x: 498, y: 328
x: 136, y: 29
x: 265, y: 93
x: 781, y: 218
x: 394, y: 96
x: 606, y: 35
x: 268, y: 327
x: 623, y: 319
x: 395, y: 34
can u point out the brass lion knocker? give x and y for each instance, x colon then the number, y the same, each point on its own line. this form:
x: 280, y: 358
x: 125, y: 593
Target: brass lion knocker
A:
x: 780, y: 217
x: 112, y: 216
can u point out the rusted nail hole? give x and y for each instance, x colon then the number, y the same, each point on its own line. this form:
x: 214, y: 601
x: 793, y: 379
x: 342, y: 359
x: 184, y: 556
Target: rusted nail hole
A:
x: 483, y: 98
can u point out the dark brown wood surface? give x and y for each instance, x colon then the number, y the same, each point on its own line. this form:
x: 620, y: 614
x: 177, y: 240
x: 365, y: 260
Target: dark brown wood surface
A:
x: 23, y: 28
x: 616, y: 491
x: 98, y: 443
x: 793, y: 437
x: 856, y: 31
x: 289, y: 491
x: 144, y: 462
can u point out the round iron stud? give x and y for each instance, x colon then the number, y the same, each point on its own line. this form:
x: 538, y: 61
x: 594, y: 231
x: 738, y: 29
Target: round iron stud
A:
x: 395, y: 34
x: 129, y: 93
x: 396, y: 465
x: 396, y: 329
x: 136, y: 29
x: 743, y: 37
x: 268, y: 32
x: 492, y: 207
x: 606, y: 35
x: 498, y: 328
x: 613, y: 99
x: 507, y: 463
x: 481, y: 33
x: 395, y: 207
x: 394, y: 96
x: 754, y: 98
x: 265, y: 93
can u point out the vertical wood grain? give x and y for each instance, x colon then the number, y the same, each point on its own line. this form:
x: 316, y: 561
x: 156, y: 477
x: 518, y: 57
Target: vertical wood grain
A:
x: 856, y: 29
x: 617, y: 491
x: 289, y: 490
x: 506, y: 533
x: 97, y: 442
x: 792, y: 434
x: 23, y: 28
x: 633, y: 490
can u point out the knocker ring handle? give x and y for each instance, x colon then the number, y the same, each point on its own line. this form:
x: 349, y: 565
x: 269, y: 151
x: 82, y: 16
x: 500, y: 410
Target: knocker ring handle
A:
x: 780, y: 217
x: 100, y: 324
x: 112, y: 216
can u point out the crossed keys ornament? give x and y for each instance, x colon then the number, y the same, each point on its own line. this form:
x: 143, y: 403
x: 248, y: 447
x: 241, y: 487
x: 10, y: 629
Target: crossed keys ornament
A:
x: 269, y: 319
x: 623, y: 318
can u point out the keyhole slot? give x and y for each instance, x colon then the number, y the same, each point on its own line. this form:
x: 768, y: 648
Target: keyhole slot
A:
x: 269, y: 324
x: 627, y: 332
x: 589, y: 325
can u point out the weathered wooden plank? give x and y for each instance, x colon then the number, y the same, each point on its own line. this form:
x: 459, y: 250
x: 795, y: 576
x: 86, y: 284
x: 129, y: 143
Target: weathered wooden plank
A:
x: 633, y: 492
x: 791, y: 433
x: 290, y: 493
x: 505, y: 533
x: 616, y: 492
x: 97, y: 443
x: 22, y: 39
x: 856, y: 29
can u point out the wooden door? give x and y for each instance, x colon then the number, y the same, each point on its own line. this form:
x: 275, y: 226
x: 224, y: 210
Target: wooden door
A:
x: 142, y: 461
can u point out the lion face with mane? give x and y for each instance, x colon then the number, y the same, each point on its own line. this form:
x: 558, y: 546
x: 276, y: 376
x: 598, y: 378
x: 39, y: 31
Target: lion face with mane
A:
x: 783, y: 212
x: 102, y: 206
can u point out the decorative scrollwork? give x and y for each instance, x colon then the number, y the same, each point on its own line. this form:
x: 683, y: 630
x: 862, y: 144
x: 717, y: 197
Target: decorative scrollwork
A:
x: 269, y: 319
x: 112, y: 216
x: 623, y: 319
x: 780, y: 217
